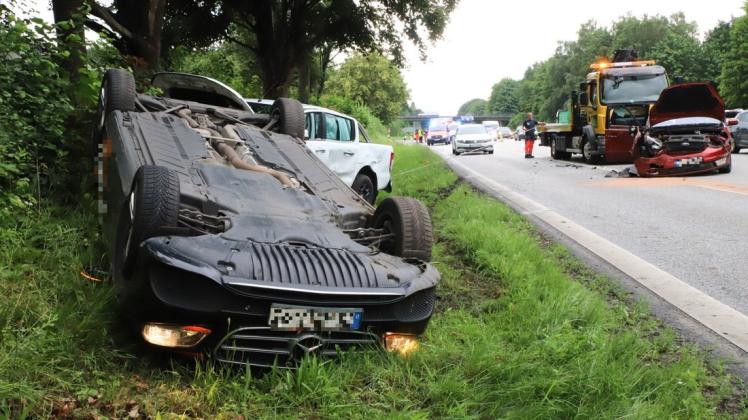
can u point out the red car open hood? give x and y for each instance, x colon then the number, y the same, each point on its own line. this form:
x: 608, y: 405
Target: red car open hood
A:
x: 688, y: 100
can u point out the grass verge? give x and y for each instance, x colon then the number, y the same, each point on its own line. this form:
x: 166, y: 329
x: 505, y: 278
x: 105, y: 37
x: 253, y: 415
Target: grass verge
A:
x: 522, y: 330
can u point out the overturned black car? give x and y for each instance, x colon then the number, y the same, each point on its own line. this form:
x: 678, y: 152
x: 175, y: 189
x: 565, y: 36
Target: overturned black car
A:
x: 229, y: 237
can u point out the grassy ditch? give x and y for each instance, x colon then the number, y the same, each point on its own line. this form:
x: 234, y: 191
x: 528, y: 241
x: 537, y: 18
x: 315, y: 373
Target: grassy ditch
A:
x: 522, y: 330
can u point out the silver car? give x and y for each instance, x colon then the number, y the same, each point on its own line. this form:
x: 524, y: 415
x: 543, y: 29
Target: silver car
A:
x: 473, y: 138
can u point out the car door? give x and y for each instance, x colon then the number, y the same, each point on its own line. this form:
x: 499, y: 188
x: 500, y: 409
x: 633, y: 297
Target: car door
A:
x: 334, y: 143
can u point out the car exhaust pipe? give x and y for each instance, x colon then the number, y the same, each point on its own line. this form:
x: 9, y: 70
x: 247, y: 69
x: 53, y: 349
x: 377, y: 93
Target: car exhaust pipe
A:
x: 234, y: 159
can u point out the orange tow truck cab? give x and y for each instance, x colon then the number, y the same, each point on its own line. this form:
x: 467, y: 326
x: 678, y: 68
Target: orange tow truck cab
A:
x: 614, y: 96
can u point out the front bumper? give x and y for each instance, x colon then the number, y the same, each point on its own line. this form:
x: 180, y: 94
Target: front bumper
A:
x: 168, y: 289
x: 473, y: 147
x: 712, y: 158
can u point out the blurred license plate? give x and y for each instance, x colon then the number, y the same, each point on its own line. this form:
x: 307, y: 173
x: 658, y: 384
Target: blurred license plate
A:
x: 293, y: 318
x: 689, y: 162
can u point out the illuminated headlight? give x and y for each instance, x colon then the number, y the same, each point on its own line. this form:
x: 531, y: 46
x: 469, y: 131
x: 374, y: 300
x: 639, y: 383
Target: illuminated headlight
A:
x: 175, y: 336
x: 403, y: 344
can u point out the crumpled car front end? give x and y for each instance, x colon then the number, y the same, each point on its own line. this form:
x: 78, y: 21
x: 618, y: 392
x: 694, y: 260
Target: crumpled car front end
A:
x: 686, y: 134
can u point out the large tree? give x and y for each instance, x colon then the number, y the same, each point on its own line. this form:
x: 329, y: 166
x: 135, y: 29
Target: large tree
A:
x: 371, y: 80
x: 734, y: 82
x: 283, y: 34
x: 503, y: 97
x: 475, y: 106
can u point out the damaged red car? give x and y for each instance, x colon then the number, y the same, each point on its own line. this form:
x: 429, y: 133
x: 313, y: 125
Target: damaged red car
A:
x: 686, y: 133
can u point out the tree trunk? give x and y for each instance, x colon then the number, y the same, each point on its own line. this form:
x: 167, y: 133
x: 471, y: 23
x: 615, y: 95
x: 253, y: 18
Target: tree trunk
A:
x: 304, y: 80
x: 71, y: 38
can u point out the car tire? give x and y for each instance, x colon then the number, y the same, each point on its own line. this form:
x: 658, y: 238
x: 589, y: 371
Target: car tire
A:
x: 152, y: 205
x: 735, y: 148
x: 364, y: 186
x: 490, y: 152
x: 290, y: 115
x: 410, y: 223
x: 117, y: 93
x: 726, y: 169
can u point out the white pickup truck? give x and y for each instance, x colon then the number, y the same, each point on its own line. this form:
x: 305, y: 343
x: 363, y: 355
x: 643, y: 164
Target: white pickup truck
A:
x: 343, y: 145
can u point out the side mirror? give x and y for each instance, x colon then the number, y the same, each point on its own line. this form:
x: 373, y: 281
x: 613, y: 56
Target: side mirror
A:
x: 584, y: 99
x: 732, y: 121
x: 679, y: 79
x: 583, y: 86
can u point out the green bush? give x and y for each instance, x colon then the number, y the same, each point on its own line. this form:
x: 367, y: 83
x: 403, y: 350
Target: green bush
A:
x: 34, y: 106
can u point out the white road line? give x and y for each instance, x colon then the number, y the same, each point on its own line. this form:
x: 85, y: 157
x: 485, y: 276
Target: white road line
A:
x: 713, y: 314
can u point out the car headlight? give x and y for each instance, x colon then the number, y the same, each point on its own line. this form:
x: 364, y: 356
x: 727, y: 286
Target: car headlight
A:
x: 175, y: 336
x: 403, y: 344
x: 653, y: 143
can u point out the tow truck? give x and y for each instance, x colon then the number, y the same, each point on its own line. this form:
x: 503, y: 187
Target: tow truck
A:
x: 615, y: 95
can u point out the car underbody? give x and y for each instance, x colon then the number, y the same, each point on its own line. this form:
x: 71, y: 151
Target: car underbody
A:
x: 229, y: 237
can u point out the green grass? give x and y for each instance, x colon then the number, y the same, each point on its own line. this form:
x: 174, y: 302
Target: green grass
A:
x: 522, y: 330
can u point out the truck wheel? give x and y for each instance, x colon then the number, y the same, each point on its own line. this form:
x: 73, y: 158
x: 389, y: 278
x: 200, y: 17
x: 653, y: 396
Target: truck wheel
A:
x: 410, y: 224
x: 587, y: 153
x: 153, y: 203
x: 290, y: 115
x: 364, y: 186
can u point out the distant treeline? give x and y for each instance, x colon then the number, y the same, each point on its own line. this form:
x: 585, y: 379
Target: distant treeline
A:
x: 722, y: 57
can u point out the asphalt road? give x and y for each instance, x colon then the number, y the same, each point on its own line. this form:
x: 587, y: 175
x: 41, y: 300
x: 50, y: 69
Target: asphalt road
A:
x: 695, y: 228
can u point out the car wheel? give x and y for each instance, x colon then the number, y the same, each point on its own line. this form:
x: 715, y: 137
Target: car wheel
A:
x: 734, y: 148
x: 364, y: 186
x: 408, y: 222
x: 726, y: 169
x: 290, y: 115
x: 490, y: 152
x: 117, y: 93
x: 153, y: 204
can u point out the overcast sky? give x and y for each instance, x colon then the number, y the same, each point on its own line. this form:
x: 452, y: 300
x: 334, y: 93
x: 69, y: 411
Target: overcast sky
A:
x: 487, y: 40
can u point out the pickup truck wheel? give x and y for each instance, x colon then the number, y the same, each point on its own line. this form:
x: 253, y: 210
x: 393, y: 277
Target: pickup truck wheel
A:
x: 364, y: 186
x: 409, y: 222
x: 290, y: 116
x: 153, y: 203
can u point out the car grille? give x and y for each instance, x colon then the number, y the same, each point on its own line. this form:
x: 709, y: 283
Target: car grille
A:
x: 288, y: 264
x: 685, y: 145
x: 263, y: 347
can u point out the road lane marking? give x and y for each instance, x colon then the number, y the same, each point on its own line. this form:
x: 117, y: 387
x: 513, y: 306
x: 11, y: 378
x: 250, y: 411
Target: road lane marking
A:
x: 708, y: 311
x: 669, y: 182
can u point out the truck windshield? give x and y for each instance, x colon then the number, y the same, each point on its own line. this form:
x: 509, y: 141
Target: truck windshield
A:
x: 633, y: 88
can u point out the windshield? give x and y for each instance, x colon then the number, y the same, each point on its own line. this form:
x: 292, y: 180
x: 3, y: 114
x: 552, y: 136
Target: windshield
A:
x: 634, y: 88
x: 472, y: 129
x: 438, y: 127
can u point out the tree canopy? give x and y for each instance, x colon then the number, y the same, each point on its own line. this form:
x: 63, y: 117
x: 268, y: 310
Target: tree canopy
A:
x: 372, y: 80
x: 475, y: 106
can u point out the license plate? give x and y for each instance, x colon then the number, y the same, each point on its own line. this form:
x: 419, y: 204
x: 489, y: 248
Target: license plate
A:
x: 689, y: 162
x: 294, y: 318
